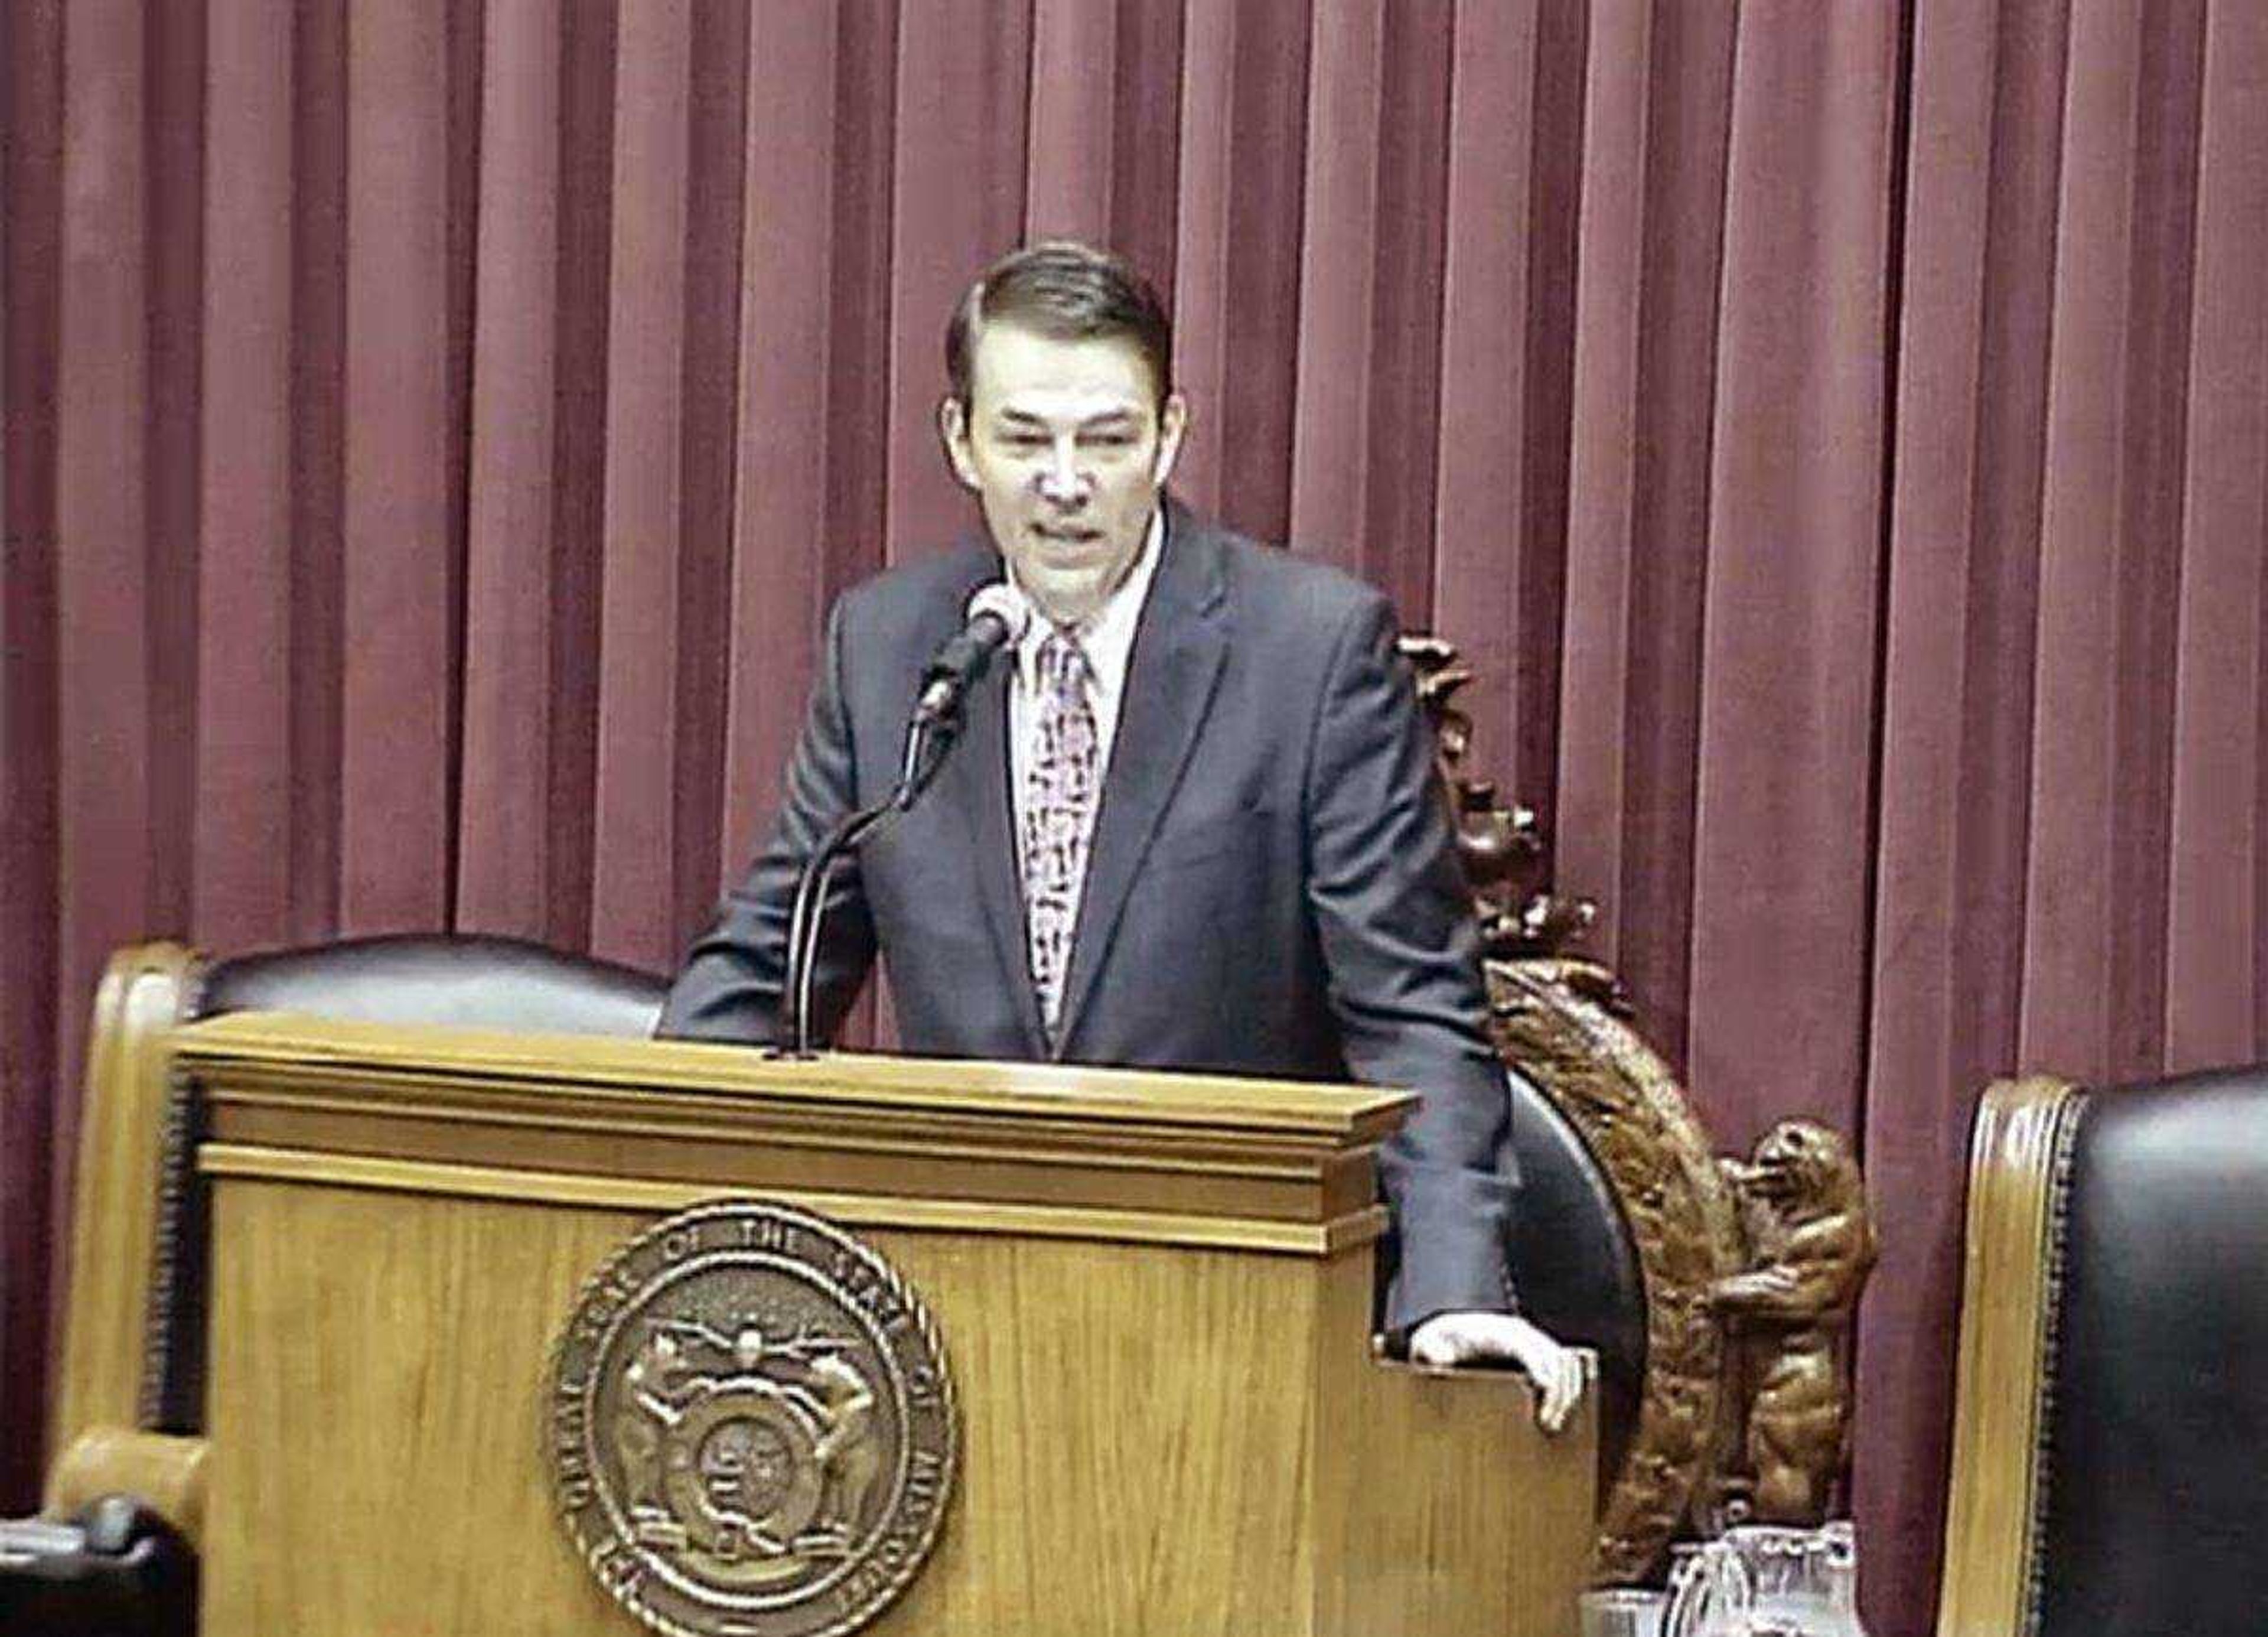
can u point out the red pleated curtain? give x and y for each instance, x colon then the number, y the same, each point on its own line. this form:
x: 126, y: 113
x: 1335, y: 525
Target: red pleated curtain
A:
x: 434, y: 429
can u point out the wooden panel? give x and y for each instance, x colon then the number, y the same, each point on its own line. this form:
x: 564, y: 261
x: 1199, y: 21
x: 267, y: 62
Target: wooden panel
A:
x: 1442, y: 1507
x: 328, y: 1045
x: 1136, y: 1423
x: 1146, y: 1450
x: 1468, y: 1520
x: 1997, y: 1391
x: 632, y: 1193
x: 1244, y: 1151
x: 382, y: 1357
x: 731, y: 1147
x: 375, y: 1363
x: 1154, y: 1290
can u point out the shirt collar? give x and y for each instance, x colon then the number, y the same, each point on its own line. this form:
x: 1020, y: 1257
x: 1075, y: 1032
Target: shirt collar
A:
x: 1107, y: 637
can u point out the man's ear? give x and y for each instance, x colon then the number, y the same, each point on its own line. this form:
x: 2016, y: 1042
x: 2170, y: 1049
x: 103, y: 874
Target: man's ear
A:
x: 1173, y: 423
x: 953, y: 431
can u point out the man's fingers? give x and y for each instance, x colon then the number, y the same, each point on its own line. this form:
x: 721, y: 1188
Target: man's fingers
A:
x: 1574, y: 1373
x: 1551, y: 1384
x: 1448, y: 1340
x: 1562, y: 1388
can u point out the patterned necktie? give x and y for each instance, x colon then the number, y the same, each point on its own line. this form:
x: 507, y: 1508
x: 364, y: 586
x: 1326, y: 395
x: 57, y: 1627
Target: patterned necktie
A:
x: 1061, y: 789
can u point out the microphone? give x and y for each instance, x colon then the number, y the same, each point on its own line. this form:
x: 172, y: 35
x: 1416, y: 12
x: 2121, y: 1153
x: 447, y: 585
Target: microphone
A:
x: 997, y: 617
x: 998, y: 614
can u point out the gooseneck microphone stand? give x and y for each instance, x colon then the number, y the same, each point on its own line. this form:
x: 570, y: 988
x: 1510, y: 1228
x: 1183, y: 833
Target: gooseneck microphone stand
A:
x: 997, y: 615
x: 928, y: 738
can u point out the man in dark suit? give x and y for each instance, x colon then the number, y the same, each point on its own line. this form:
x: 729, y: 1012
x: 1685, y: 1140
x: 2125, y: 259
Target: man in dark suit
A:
x: 1192, y: 821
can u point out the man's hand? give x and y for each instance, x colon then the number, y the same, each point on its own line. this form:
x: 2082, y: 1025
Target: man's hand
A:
x: 1453, y: 1338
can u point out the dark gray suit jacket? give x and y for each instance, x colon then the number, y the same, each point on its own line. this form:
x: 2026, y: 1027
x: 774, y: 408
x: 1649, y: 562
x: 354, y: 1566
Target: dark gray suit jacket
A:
x: 1273, y: 885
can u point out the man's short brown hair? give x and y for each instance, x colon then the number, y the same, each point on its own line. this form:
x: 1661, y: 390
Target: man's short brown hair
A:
x: 1069, y: 292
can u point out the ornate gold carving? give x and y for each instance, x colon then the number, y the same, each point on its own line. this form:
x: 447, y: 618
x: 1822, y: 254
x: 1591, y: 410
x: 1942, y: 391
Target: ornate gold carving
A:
x: 1556, y: 1021
x: 752, y: 1426
x: 1810, y: 1243
x: 1503, y: 847
x: 1759, y: 1424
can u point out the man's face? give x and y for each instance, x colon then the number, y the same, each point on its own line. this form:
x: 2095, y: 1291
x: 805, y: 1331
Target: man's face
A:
x: 1064, y: 445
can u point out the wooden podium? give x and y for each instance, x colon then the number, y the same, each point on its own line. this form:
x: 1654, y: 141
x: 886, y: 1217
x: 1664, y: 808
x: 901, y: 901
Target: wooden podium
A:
x: 1153, y: 1291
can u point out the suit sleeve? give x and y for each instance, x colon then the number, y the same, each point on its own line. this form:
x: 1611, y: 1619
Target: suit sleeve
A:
x: 1395, y: 921
x: 731, y: 984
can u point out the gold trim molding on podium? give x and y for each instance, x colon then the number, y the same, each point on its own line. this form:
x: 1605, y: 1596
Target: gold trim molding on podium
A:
x: 751, y: 1427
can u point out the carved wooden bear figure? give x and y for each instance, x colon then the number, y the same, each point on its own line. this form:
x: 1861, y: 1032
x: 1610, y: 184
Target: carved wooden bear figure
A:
x: 1803, y: 1210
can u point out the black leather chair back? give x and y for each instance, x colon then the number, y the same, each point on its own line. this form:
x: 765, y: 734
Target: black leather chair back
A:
x: 1574, y: 1262
x: 471, y: 981
x: 2152, y: 1509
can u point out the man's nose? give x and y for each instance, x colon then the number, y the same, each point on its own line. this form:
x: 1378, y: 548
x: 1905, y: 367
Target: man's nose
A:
x: 1061, y: 481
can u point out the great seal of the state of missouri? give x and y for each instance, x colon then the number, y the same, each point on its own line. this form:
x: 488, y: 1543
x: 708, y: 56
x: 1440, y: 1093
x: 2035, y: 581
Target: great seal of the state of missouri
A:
x: 751, y: 1427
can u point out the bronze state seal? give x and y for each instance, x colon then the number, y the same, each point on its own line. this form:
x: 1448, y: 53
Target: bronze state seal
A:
x: 751, y: 1430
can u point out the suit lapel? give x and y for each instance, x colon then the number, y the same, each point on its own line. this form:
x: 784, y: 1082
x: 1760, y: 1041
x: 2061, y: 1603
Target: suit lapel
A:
x: 975, y: 784
x: 1178, y: 650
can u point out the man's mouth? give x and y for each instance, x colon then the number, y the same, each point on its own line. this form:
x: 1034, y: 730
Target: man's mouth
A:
x: 1067, y: 534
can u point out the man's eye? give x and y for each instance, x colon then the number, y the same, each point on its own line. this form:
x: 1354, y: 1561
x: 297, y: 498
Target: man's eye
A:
x: 1105, y: 440
x: 1024, y: 441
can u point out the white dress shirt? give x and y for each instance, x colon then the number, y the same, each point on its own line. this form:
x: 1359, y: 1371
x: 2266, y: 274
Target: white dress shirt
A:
x: 1109, y: 639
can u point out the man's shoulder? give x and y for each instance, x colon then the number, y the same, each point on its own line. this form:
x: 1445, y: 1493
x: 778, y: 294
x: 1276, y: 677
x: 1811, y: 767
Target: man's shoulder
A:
x: 1277, y: 587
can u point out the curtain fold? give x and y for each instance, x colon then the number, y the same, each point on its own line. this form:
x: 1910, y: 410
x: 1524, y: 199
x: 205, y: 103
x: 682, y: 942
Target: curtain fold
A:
x: 1959, y: 615
x: 516, y: 550
x: 1778, y: 911
x: 31, y: 220
x: 2212, y: 984
x: 434, y: 432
